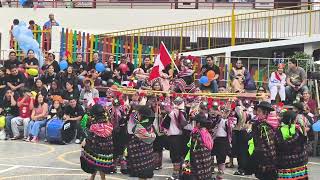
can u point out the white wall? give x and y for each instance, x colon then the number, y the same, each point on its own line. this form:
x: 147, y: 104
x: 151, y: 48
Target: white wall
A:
x: 103, y: 20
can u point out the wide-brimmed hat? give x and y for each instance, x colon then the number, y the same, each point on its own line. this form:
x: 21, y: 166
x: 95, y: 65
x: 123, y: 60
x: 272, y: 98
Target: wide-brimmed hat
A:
x: 145, y: 111
x: 96, y: 110
x: 265, y: 105
x: 299, y: 106
x: 202, y: 120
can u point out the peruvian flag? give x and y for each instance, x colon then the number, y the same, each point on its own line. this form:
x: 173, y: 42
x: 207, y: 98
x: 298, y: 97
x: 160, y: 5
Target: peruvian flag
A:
x: 163, y: 59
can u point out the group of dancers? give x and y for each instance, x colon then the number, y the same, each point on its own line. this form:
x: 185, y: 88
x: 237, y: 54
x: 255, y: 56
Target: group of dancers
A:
x: 134, y: 135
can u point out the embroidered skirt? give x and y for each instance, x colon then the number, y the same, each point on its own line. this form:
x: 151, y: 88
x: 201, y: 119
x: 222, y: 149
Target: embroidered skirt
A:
x: 140, y: 158
x: 201, y: 163
x: 297, y: 173
x: 98, y: 156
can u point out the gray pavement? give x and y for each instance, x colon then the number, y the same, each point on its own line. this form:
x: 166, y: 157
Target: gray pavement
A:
x: 27, y: 161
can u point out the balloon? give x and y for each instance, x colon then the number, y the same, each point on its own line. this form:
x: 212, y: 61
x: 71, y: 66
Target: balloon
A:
x: 123, y: 67
x: 34, y: 94
x: 100, y: 67
x: 33, y: 72
x: 210, y: 75
x: 204, y: 80
x: 316, y: 126
x: 63, y: 65
x: 2, y: 121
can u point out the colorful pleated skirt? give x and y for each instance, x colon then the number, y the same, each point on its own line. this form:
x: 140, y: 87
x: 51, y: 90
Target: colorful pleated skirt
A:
x: 297, y: 173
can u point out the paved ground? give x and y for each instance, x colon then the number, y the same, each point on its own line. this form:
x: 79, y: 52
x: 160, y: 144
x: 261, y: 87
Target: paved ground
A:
x: 27, y: 161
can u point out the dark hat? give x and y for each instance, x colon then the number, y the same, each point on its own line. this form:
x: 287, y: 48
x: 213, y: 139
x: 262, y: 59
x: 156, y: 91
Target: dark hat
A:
x: 265, y: 105
x: 202, y: 120
x: 288, y: 117
x: 145, y: 111
x: 299, y: 106
x: 96, y: 110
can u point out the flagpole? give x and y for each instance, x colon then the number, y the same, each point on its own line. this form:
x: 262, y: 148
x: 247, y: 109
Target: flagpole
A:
x: 170, y: 57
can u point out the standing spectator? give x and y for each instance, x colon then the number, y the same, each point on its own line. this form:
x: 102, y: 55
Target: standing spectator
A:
x: 50, y: 61
x: 38, y: 118
x: 277, y: 83
x: 296, y: 80
x: 11, y: 61
x: 25, y: 104
x: 33, y: 25
x: 80, y: 68
x: 88, y: 94
x: 73, y: 113
x: 92, y: 64
x: 9, y: 108
x: 51, y: 22
x: 211, y: 66
x: 16, y: 79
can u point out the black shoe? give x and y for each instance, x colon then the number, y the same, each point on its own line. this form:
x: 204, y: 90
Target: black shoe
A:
x: 238, y: 173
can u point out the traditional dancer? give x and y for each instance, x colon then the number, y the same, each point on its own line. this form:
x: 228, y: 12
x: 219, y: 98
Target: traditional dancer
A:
x: 97, y: 153
x: 262, y: 150
x: 198, y: 159
x: 140, y: 146
x: 291, y: 152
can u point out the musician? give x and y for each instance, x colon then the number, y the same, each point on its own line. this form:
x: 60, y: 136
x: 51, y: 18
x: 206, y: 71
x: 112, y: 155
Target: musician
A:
x: 73, y: 113
x: 210, y: 66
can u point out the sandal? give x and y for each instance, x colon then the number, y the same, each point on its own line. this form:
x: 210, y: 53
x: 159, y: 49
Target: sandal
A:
x: 229, y: 165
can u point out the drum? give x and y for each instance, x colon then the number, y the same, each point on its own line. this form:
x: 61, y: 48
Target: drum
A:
x: 59, y: 131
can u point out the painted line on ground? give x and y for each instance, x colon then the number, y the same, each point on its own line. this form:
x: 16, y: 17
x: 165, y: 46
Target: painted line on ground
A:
x: 9, y: 169
x: 314, y: 163
x: 61, y: 158
x: 51, y: 149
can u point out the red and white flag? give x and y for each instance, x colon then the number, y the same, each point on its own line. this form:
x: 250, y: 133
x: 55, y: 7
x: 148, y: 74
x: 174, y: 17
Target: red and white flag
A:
x: 162, y: 60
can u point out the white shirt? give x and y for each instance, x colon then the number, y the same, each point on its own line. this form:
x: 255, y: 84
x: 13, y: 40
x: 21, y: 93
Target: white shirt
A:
x: 173, y: 129
x: 221, y: 130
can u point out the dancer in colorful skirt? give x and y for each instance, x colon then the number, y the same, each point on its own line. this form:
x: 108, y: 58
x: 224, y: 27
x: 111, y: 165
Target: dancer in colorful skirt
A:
x: 97, y: 152
x: 140, y: 146
x: 291, y: 149
x: 262, y: 145
x: 197, y: 165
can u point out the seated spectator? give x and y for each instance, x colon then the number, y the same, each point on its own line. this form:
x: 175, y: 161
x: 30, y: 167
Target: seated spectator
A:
x: 146, y: 66
x: 55, y: 89
x: 38, y: 118
x: 50, y: 61
x: 9, y: 109
x: 25, y: 105
x: 55, y: 111
x: 70, y: 76
x: 71, y: 92
x: 12, y: 61
x: 95, y: 60
x: 117, y: 78
x: 73, y: 113
x: 31, y: 61
x: 88, y: 94
x: 51, y: 22
x: 210, y: 66
x: 308, y: 102
x: 3, y: 83
x: 16, y: 79
x: 277, y: 83
x: 79, y: 67
x: 127, y: 70
x: 296, y: 80
x: 39, y: 88
x: 241, y: 78
x: 49, y: 76
x: 111, y: 64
